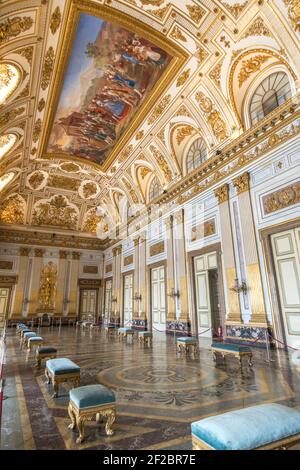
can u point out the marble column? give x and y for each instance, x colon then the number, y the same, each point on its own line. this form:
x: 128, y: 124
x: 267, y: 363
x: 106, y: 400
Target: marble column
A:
x: 256, y: 293
x: 74, y: 284
x: 60, y: 289
x: 143, y: 281
x: 182, y: 271
x: 136, y: 285
x: 17, y: 309
x: 171, y: 306
x: 234, y: 313
x: 35, y: 281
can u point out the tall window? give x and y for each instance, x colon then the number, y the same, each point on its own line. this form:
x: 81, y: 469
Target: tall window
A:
x: 272, y: 92
x: 9, y: 80
x: 197, y: 154
x: 155, y: 189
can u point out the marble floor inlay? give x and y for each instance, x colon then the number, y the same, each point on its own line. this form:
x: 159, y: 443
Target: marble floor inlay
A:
x: 159, y: 393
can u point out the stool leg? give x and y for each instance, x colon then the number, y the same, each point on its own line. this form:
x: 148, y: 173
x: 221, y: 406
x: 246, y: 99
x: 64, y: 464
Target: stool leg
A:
x: 250, y: 360
x: 72, y: 417
x: 111, y: 416
x: 80, y: 426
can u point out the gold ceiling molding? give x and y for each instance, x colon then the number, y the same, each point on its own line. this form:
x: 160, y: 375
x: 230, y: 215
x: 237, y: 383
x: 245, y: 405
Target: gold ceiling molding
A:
x: 294, y: 13
x: 183, y: 111
x: 257, y: 28
x: 215, y: 73
x: 89, y: 189
x: 36, y: 179
x: 25, y: 92
x: 131, y: 191
x: 159, y: 109
x: 183, y: 132
x: 70, y: 167
x: 161, y: 136
x: 10, y: 116
x: 41, y: 105
x: 55, y: 20
x: 57, y: 212
x: 107, y: 13
x: 181, y: 80
x: 63, y: 182
x: 26, y: 52
x: 12, y: 27
x: 250, y: 66
x: 235, y: 9
x: 91, y: 221
x: 12, y: 210
x: 145, y: 171
x: 161, y: 13
x: 176, y: 33
x: 139, y: 135
x: 153, y: 3
x: 162, y: 163
x: 31, y: 238
x: 201, y: 54
x: 196, y: 13
x: 37, y: 130
x: 284, y: 197
x: 125, y: 154
x: 47, y: 68
x: 213, y: 116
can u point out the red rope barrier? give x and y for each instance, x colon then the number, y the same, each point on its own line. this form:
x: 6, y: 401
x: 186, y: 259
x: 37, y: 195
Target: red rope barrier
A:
x: 284, y: 344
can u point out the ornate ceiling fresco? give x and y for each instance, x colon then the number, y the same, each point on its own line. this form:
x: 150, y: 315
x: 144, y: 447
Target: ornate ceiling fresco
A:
x: 98, y: 98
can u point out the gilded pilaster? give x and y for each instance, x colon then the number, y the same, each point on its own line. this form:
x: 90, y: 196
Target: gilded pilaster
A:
x: 136, y: 277
x: 20, y: 287
x: 182, y: 267
x: 35, y: 281
x: 116, y: 284
x: 222, y: 194
x: 171, y: 307
x: 74, y: 284
x: 143, y: 277
x: 258, y: 310
x: 59, y: 301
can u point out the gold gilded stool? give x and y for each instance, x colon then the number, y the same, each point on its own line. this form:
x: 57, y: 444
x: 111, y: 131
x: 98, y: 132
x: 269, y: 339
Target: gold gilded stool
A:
x: 62, y: 370
x: 186, y: 344
x: 88, y: 402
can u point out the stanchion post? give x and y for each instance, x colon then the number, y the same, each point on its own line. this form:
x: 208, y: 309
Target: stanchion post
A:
x: 268, y: 360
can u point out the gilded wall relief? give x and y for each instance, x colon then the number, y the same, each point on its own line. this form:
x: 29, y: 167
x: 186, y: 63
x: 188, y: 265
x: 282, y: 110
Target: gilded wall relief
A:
x: 48, y: 285
x: 294, y: 13
x: 88, y: 189
x: 37, y: 180
x: 285, y: 197
x: 157, y: 248
x: 90, y: 269
x: 206, y: 229
x: 91, y: 221
x: 57, y: 212
x: 10, y: 28
x: 128, y: 260
x: 12, y: 210
x: 212, y: 116
x: 108, y: 268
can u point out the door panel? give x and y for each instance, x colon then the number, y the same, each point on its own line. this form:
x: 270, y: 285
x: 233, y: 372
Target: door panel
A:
x: 286, y: 252
x: 128, y: 299
x: 88, y: 307
x: 4, y: 299
x: 158, y: 298
x: 107, y: 301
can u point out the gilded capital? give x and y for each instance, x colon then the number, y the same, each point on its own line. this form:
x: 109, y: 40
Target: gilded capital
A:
x: 136, y: 241
x: 179, y: 216
x: 76, y: 255
x: 24, y: 251
x: 222, y: 193
x: 38, y: 252
x: 242, y: 183
x: 63, y: 254
x: 169, y: 222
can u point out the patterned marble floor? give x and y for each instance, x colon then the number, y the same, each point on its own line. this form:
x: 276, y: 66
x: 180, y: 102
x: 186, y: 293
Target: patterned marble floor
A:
x: 158, y: 392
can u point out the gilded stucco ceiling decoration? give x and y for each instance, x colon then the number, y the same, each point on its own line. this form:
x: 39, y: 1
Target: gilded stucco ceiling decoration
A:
x: 209, y: 37
x: 57, y: 212
x: 91, y: 221
x: 12, y: 210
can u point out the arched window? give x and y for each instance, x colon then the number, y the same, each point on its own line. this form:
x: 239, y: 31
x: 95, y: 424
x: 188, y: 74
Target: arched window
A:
x: 155, y: 189
x: 5, y: 179
x: 7, y: 141
x: 197, y: 154
x: 272, y: 92
x: 9, y: 80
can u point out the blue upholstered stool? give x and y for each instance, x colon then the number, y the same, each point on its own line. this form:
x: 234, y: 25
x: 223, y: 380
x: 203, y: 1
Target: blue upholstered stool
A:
x: 26, y: 335
x: 45, y: 352
x: 22, y: 331
x: 186, y: 344
x: 89, y: 401
x: 62, y: 370
x: 145, y: 337
x: 268, y: 426
x: 124, y: 332
x: 235, y: 350
x: 34, y: 341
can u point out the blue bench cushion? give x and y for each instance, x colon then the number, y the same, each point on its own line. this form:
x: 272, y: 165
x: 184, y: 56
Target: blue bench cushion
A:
x: 35, y: 338
x: 145, y: 333
x: 46, y: 350
x: 92, y: 395
x: 30, y: 334
x: 186, y: 339
x: 26, y: 330
x: 231, y: 347
x: 248, y: 428
x: 62, y: 365
x: 21, y: 327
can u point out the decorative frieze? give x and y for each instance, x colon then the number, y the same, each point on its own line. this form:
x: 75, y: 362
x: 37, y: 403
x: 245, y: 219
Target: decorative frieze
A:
x: 12, y: 27
x: 157, y: 248
x: 284, y: 197
x: 90, y: 269
x: 6, y: 265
